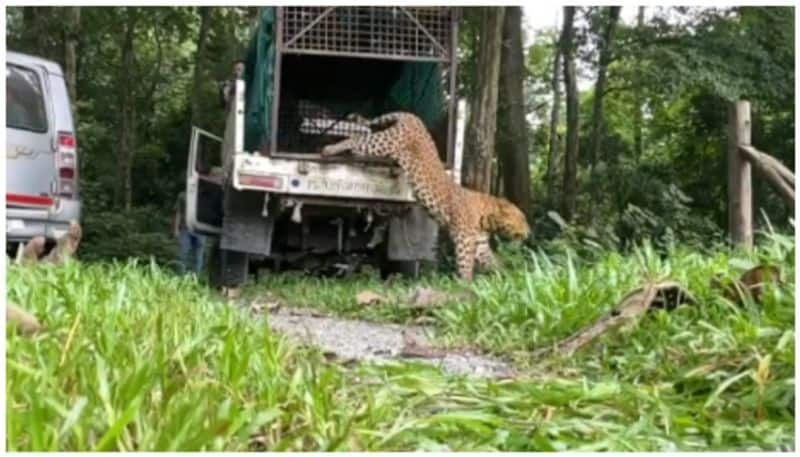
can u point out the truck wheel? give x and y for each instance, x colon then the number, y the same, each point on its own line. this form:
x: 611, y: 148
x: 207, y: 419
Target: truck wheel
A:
x: 405, y: 268
x: 227, y: 268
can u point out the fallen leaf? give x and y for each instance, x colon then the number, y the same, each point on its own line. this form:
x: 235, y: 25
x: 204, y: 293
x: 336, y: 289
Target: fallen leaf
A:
x: 231, y: 292
x: 424, y: 320
x: 259, y: 306
x: 303, y: 312
x: 415, y: 346
x: 369, y: 297
x: 424, y: 298
x: 333, y: 357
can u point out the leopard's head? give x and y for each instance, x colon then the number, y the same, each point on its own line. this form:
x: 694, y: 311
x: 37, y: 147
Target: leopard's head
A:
x: 509, y: 220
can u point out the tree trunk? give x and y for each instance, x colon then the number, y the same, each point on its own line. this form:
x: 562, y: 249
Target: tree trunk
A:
x: 72, y: 23
x: 599, y: 89
x: 569, y: 191
x: 127, y: 138
x: 29, y: 29
x: 33, y: 34
x: 638, y: 115
x: 200, y: 55
x: 482, y: 122
x: 512, y: 141
x: 552, y: 153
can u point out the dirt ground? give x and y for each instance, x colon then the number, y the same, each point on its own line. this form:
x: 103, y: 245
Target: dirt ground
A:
x: 346, y: 340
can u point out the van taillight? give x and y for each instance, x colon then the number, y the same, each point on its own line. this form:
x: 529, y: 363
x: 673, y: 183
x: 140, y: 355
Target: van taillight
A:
x: 66, y: 162
x: 66, y: 141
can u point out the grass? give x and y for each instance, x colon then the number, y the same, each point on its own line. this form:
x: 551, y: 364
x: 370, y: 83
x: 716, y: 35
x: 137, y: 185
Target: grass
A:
x: 137, y: 359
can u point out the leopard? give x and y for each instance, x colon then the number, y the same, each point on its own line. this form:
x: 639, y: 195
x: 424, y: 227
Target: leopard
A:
x: 469, y: 216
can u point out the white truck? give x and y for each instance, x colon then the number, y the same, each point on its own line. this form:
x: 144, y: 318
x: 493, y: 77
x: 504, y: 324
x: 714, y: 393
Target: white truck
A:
x: 263, y: 191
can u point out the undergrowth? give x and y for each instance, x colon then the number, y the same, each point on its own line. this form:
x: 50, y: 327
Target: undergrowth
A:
x: 135, y: 358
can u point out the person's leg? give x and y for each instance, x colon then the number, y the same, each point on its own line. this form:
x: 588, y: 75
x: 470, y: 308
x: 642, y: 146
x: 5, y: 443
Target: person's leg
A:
x: 199, y: 253
x: 184, y: 246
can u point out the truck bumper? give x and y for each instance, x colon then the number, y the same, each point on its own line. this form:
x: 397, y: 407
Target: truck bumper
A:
x: 366, y: 181
x: 24, y: 224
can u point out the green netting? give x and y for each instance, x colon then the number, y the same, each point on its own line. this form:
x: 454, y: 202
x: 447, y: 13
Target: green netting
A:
x: 418, y: 88
x: 260, y: 69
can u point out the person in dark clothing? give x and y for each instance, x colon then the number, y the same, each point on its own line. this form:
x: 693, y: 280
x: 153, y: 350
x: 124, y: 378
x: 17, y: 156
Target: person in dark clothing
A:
x: 229, y: 87
x: 188, y: 243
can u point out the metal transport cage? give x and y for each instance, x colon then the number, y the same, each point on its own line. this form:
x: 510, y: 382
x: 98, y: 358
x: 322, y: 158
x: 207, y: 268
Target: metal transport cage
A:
x: 308, y: 67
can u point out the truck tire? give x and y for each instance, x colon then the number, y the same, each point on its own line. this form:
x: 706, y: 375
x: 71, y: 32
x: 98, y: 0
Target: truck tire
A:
x: 227, y: 268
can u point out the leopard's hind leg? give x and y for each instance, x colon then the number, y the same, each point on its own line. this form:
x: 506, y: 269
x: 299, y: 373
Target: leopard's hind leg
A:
x: 466, y: 248
x: 484, y: 255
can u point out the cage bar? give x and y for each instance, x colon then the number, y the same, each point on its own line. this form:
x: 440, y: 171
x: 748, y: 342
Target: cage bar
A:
x: 396, y: 32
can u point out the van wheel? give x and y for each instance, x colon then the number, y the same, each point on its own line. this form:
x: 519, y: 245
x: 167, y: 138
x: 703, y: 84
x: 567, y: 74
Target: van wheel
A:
x: 227, y: 268
x: 405, y: 268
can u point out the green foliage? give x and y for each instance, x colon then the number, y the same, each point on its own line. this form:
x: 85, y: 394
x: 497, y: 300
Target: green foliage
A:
x: 135, y: 358
x: 141, y: 232
x: 683, y: 66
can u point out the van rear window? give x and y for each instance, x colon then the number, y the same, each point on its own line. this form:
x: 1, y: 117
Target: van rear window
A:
x: 24, y: 100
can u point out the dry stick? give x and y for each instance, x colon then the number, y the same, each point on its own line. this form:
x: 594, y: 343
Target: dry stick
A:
x: 20, y: 250
x: 768, y: 172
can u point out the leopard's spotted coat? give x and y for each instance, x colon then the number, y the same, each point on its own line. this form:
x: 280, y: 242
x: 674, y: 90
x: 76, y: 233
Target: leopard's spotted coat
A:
x: 469, y: 216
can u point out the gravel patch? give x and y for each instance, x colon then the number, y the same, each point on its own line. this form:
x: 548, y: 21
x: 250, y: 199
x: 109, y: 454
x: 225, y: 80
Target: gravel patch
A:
x: 347, y: 340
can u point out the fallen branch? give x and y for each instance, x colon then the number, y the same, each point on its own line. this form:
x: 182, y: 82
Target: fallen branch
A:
x: 781, y: 168
x: 785, y: 173
x: 65, y: 247
x: 768, y: 170
x: 666, y: 295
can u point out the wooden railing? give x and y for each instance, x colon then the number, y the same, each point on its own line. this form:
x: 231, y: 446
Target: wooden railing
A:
x: 741, y: 156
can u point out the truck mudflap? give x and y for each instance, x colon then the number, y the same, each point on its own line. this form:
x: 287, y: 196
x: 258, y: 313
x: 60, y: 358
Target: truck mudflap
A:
x: 323, y: 179
x: 412, y: 236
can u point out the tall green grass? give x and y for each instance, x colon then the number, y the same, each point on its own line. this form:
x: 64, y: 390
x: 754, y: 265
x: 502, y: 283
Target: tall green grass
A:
x: 135, y: 358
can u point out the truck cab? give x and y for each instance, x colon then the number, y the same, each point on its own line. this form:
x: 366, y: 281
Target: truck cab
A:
x: 262, y: 190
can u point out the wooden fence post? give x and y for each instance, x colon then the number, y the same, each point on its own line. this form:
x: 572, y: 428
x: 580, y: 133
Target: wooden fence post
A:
x: 740, y: 196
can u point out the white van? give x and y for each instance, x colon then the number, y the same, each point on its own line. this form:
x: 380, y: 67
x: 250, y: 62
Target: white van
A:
x: 41, y: 151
